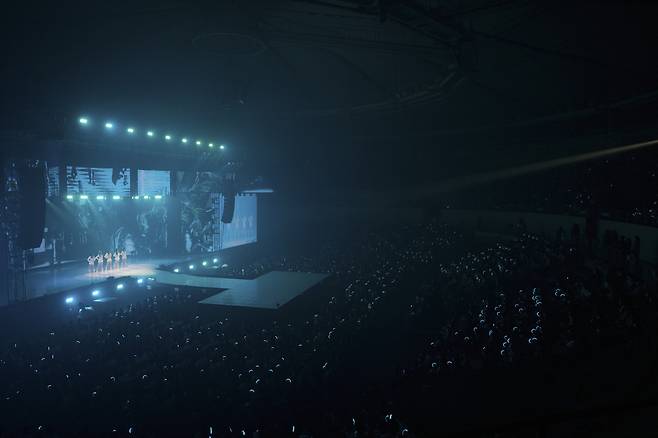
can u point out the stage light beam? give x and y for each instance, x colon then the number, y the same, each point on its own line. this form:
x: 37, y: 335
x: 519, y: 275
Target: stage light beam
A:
x: 184, y: 140
x: 215, y: 260
x: 150, y: 133
x: 198, y: 142
x: 83, y: 120
x: 191, y: 267
x: 69, y: 197
x: 69, y: 300
x: 130, y: 130
x: 205, y: 263
x: 95, y: 293
x: 120, y: 286
x: 210, y: 145
x: 167, y: 137
x: 140, y: 281
x: 222, y: 147
x: 84, y: 197
x: 158, y: 196
x: 176, y: 270
x: 116, y: 197
x: 100, y: 197
x: 109, y: 125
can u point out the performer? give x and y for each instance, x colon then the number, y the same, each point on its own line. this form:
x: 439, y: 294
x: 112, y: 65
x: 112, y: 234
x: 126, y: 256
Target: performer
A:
x: 117, y: 259
x: 90, y: 260
x: 124, y: 256
x: 99, y: 262
x: 108, y: 261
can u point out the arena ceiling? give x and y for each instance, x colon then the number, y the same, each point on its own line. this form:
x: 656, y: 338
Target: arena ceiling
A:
x: 257, y: 72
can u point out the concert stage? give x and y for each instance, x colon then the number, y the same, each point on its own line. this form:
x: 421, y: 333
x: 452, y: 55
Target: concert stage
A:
x: 269, y: 291
x: 51, y: 280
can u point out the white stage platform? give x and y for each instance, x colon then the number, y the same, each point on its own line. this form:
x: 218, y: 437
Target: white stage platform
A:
x: 269, y: 291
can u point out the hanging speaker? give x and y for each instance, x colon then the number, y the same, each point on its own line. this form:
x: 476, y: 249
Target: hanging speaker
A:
x: 229, y: 208
x: 32, y: 186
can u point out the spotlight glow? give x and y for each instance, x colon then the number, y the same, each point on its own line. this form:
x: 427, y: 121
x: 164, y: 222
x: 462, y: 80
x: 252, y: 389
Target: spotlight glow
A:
x: 184, y: 140
x: 222, y: 147
x: 158, y: 196
x: 191, y: 267
x: 120, y: 286
x: 100, y: 197
x: 69, y: 300
x: 176, y: 270
x: 150, y: 133
x: 83, y: 120
x: 198, y: 142
x: 210, y: 145
x: 109, y: 125
x: 167, y: 137
x: 116, y: 197
x: 215, y: 260
x: 95, y: 293
x: 69, y: 197
x: 136, y: 197
x: 205, y: 263
x: 140, y: 280
x: 130, y: 130
x: 83, y: 197
x: 146, y: 197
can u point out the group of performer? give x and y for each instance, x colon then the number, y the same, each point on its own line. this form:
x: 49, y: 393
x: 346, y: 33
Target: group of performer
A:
x: 108, y: 261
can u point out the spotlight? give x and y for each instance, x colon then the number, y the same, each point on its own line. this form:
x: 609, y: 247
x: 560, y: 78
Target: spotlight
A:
x: 116, y: 197
x: 130, y: 130
x: 176, y: 270
x: 120, y: 286
x: 215, y: 260
x: 167, y: 137
x: 198, y: 142
x: 136, y: 197
x: 69, y: 197
x: 205, y: 263
x: 95, y: 293
x: 146, y: 197
x: 150, y: 133
x: 140, y: 280
x: 83, y: 120
x: 222, y: 147
x: 184, y: 140
x: 210, y: 145
x: 83, y: 197
x: 109, y: 125
x: 191, y: 267
x: 100, y: 197
x: 69, y: 300
x: 158, y: 196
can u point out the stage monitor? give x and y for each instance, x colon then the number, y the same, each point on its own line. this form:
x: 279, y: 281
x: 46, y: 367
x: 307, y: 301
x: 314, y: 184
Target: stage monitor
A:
x: 153, y: 182
x: 52, y: 188
x: 94, y: 181
x: 244, y: 227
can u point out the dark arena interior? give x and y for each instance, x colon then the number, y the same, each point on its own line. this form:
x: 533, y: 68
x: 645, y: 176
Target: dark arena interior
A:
x: 329, y: 218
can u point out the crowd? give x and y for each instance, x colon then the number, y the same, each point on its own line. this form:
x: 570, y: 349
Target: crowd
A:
x: 410, y: 298
x: 603, y: 184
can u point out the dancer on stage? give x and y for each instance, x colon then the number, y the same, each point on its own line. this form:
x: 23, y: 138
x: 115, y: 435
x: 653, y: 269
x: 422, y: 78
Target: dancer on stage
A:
x: 117, y: 259
x: 99, y: 262
x: 108, y: 261
x: 90, y: 260
x: 124, y: 257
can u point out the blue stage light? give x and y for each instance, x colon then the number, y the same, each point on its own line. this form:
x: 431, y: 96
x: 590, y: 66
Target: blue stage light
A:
x: 130, y: 130
x: 215, y: 260
x: 83, y: 197
x: 120, y: 286
x: 146, y: 197
x: 191, y: 267
x: 100, y: 197
x: 184, y: 140
x: 69, y: 300
x: 150, y: 133
x: 140, y: 280
x: 222, y: 147
x: 95, y: 293
x: 83, y: 120
x: 210, y: 145
x: 176, y: 270
x: 69, y: 197
x: 116, y: 197
x: 158, y: 196
x: 205, y: 263
x: 109, y: 125
x: 198, y: 142
x: 167, y: 137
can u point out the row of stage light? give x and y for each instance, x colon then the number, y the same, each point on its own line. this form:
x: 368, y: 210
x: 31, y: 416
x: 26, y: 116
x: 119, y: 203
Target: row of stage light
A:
x: 192, y: 267
x: 111, y: 127
x: 113, y: 197
x: 96, y: 294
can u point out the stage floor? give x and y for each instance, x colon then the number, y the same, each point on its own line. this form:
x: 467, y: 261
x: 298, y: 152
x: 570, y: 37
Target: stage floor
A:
x: 269, y: 291
x: 70, y: 276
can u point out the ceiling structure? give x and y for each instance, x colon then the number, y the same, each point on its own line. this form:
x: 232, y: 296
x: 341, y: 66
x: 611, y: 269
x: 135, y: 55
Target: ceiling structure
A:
x: 307, y: 78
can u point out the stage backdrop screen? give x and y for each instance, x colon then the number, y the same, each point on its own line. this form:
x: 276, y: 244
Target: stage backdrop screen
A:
x: 95, y: 181
x: 153, y: 182
x: 244, y: 227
